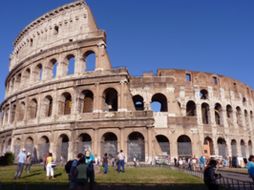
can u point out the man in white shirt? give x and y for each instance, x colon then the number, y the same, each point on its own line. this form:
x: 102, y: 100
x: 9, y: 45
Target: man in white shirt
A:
x: 21, y: 161
x: 121, y: 158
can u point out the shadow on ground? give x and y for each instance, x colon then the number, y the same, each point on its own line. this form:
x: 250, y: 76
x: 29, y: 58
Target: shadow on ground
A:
x: 105, y: 187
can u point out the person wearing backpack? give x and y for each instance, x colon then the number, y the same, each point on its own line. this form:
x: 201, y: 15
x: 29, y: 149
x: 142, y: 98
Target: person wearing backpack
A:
x: 250, y: 167
x: 70, y: 168
x: 89, y: 159
x: 210, y: 176
x: 80, y: 173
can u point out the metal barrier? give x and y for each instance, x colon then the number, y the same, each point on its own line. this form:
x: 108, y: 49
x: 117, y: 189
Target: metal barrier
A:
x: 225, y: 182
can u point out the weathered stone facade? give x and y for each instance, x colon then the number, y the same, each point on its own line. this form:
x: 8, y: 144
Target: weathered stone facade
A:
x: 48, y: 107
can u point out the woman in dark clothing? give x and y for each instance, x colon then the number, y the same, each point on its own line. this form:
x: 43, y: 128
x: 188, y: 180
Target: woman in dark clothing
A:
x: 105, y: 163
x: 210, y: 176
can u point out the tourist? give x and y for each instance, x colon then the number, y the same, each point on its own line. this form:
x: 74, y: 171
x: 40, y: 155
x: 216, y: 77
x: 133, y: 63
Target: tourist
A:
x: 105, y: 163
x: 49, y: 168
x: 21, y: 161
x: 250, y: 167
x: 121, y: 159
x: 90, y: 160
x: 210, y: 176
x: 28, y: 162
x: 80, y: 173
x: 202, y: 162
x: 72, y: 176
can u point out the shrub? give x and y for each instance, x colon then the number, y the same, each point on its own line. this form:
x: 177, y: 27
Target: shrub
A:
x: 9, y: 158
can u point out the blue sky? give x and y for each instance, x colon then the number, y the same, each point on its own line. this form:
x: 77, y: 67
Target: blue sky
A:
x: 144, y: 35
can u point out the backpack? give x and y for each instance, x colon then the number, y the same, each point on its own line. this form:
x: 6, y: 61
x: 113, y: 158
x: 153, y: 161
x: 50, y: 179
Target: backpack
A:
x: 67, y: 166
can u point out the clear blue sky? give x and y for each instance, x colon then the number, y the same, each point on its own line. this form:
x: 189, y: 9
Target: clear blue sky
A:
x: 143, y: 35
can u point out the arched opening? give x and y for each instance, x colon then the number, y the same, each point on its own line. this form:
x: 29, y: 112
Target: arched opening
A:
x: 138, y: 102
x: 239, y: 116
x: 191, y: 109
x: 18, y: 80
x: 164, y: 146
x: 203, y: 94
x: 208, y: 147
x: 110, y: 97
x: 65, y: 104
x: 8, y: 147
x: 250, y: 147
x: 32, y: 109
x: 229, y: 112
x: 109, y: 144
x: 16, y: 146
x: 47, y: 106
x: 222, y: 147
x: 246, y: 118
x: 71, y: 64
x: 243, y: 149
x: 63, y: 148
x: 29, y: 146
x: 21, y: 111
x: 184, y: 147
x: 244, y: 101
x: 159, y: 103
x: 43, y: 147
x: 87, y: 101
x: 205, y: 113
x: 53, y: 68
x: 233, y: 147
x: 136, y: 147
x: 38, y: 73
x: 89, y: 61
x: 84, y: 141
x: 26, y: 76
x: 218, y: 114
x: 13, y: 113
x: 251, y: 118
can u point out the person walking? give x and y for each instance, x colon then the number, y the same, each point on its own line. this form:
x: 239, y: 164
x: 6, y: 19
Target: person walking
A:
x: 28, y: 162
x: 80, y: 173
x: 210, y: 176
x: 21, y: 161
x: 105, y: 163
x: 121, y: 159
x: 49, y: 168
x: 90, y: 160
x: 202, y: 162
x: 250, y: 167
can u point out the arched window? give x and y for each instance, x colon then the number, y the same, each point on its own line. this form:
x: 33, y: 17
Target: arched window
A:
x: 136, y: 147
x: 251, y: 118
x: 205, y: 113
x: 89, y: 61
x: 184, y: 147
x: 229, y: 112
x: 109, y: 144
x: 71, y: 64
x: 164, y: 146
x: 234, y: 147
x: 26, y: 76
x: 204, y: 94
x: 62, y: 148
x: 38, y: 72
x: 218, y: 114
x: 65, y: 104
x: 239, y: 116
x: 21, y: 111
x: 246, y: 118
x: 208, y: 146
x: 85, y: 141
x: 33, y: 107
x: 18, y: 80
x: 191, y: 109
x: 110, y: 97
x: 48, y: 106
x: 87, y: 101
x: 13, y: 113
x: 53, y: 65
x: 43, y: 147
x: 244, y: 101
x: 159, y: 103
x: 250, y: 147
x: 138, y: 102
x: 243, y: 148
x: 222, y: 147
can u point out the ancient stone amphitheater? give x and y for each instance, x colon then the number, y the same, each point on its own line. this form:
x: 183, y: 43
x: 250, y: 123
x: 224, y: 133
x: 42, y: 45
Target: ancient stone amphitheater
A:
x: 54, y: 103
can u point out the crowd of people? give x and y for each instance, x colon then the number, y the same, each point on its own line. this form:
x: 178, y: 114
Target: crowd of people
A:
x: 24, y: 161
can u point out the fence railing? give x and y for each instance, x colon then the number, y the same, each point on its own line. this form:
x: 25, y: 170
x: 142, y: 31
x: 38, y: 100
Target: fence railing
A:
x: 226, y: 183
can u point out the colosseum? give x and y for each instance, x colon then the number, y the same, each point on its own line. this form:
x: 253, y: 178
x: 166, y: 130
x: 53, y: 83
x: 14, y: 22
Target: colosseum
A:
x: 54, y: 102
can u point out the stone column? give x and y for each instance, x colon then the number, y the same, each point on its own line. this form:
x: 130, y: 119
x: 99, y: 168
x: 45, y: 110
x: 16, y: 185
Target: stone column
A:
x: 97, y: 99
x: 80, y: 65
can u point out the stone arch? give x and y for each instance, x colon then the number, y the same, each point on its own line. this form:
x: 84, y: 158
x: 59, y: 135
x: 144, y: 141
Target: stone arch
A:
x: 239, y: 116
x: 26, y: 76
x: 184, y: 146
x: 37, y: 72
x: 13, y: 112
x: 205, y: 109
x: 204, y: 94
x: 63, y: 148
x: 8, y: 145
x: 208, y: 146
x: 18, y: 80
x: 29, y: 146
x: 191, y: 108
x: 87, y: 101
x: 251, y: 118
x: 47, y: 106
x: 52, y: 68
x: 246, y: 116
x: 21, y: 111
x: 159, y: 103
x: 84, y: 141
x: 89, y: 58
x: 136, y: 146
x: 164, y: 145
x: 43, y: 147
x: 109, y: 143
x: 243, y: 148
x: 110, y: 99
x: 65, y: 104
x: 138, y: 102
x: 32, y: 109
x: 229, y: 112
x: 70, y: 59
x: 222, y: 147
x: 218, y: 114
x: 250, y: 147
x: 233, y: 147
